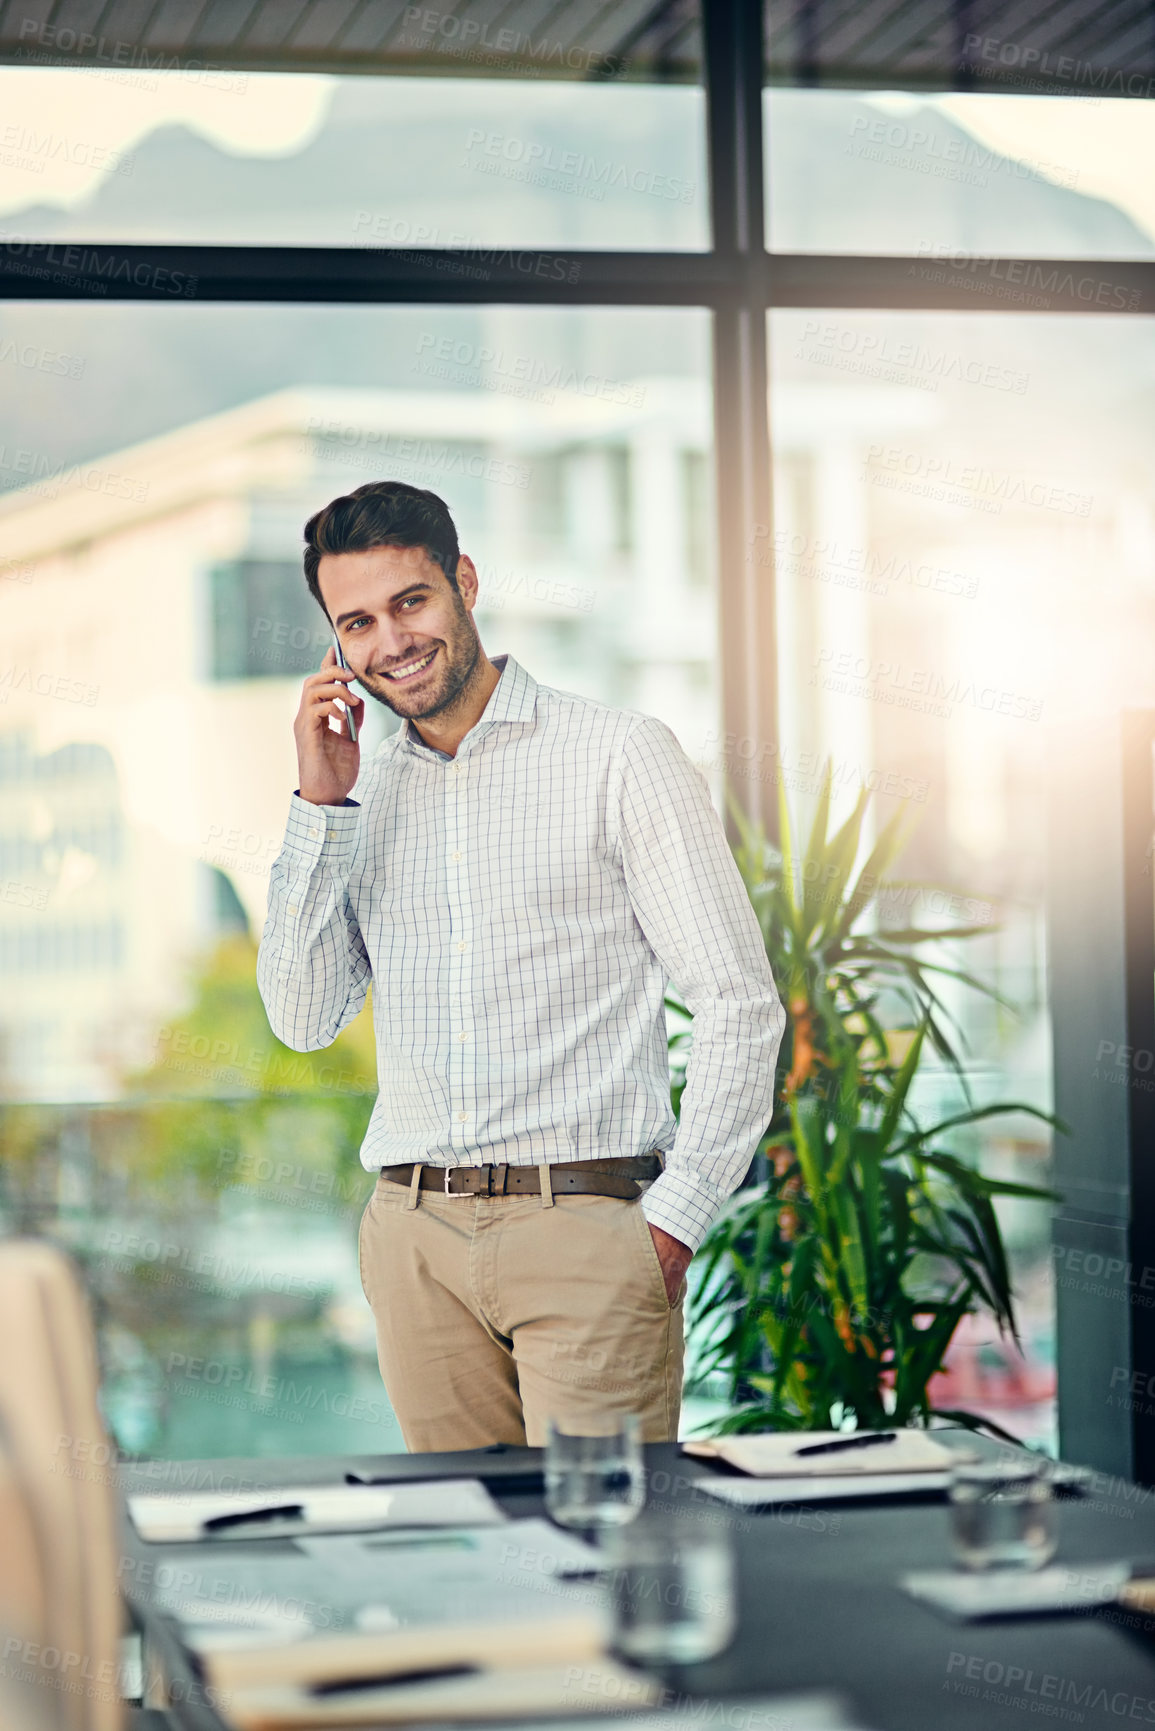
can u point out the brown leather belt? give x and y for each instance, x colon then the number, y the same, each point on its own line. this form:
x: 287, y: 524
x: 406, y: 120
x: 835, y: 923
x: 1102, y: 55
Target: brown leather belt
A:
x: 566, y: 1178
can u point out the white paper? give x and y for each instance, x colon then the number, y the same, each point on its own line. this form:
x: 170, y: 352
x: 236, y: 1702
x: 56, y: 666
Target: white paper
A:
x: 783, y: 1454
x: 378, y: 1581
x: 1007, y: 1593
x: 172, y: 1517
x: 753, y: 1713
x: 750, y: 1493
x: 497, y: 1696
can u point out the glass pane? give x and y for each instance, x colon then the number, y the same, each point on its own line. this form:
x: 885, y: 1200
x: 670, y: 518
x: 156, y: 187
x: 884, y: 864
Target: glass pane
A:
x: 932, y: 176
x: 156, y: 627
x: 265, y: 159
x: 963, y: 567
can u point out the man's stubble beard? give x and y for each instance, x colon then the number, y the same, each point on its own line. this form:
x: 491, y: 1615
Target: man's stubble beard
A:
x: 461, y: 661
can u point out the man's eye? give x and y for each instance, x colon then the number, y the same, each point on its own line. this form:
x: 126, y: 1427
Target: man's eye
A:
x: 415, y: 599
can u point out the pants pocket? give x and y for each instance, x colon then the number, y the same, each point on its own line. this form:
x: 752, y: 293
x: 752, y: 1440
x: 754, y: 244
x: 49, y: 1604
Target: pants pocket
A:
x: 361, y: 1245
x: 375, y: 1196
x: 650, y: 1251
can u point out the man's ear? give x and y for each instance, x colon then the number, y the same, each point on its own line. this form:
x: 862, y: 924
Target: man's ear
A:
x: 467, y: 581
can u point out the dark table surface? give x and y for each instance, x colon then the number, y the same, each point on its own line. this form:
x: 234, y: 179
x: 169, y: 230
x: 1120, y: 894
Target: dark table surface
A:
x: 819, y: 1607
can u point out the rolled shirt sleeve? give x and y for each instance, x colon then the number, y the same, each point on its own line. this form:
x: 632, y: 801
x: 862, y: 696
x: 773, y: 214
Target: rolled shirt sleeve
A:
x: 692, y: 906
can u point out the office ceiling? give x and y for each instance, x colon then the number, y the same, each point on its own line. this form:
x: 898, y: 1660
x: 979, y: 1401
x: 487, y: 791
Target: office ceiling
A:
x: 1087, y: 47
x: 638, y: 39
x: 1076, y: 47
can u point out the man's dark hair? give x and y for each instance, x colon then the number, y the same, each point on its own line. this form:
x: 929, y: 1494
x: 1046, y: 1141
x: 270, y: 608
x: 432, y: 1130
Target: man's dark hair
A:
x: 381, y: 514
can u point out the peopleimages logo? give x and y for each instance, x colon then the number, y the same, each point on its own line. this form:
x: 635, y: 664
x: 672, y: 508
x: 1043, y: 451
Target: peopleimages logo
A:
x: 571, y: 170
x: 25, y: 147
x: 994, y: 53
x: 1034, y: 282
x: 1045, y: 1692
x: 65, y: 262
x: 934, y: 476
x: 472, y: 39
x: 963, y: 159
x: 484, y: 362
x: 111, y: 52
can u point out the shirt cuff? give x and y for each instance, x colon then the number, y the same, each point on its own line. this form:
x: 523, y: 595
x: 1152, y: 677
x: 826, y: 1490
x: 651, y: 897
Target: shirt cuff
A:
x: 316, y: 831
x: 683, y: 1205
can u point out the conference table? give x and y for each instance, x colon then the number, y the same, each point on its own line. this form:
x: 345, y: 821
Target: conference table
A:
x: 819, y: 1604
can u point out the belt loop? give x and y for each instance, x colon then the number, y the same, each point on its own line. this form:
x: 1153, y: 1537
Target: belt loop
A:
x: 415, y: 1186
x: 546, y: 1184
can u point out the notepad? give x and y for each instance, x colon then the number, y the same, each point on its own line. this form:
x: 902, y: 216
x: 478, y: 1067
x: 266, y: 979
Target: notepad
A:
x: 502, y: 1695
x: 472, y: 1670
x: 623, y: 1701
x: 180, y: 1516
x: 776, y: 1454
x: 763, y: 1493
x: 972, y: 1598
x: 809, y: 1712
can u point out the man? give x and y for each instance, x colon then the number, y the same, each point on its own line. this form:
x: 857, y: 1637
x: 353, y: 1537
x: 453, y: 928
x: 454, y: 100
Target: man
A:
x: 522, y: 874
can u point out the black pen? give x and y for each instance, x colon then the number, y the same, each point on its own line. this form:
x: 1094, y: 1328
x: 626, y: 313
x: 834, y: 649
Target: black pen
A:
x: 532, y: 1479
x: 852, y: 1442
x: 391, y: 1679
x: 282, y: 1511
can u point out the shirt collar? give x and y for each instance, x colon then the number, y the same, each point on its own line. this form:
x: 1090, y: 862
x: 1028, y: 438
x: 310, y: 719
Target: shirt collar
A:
x: 513, y: 698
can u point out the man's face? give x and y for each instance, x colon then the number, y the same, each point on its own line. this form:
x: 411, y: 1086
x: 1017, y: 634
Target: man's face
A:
x: 405, y: 632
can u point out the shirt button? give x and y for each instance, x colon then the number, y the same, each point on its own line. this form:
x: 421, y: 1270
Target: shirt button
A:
x: 462, y: 1116
x: 457, y: 856
x: 316, y: 832
x: 463, y: 1035
x: 292, y: 910
x: 463, y: 945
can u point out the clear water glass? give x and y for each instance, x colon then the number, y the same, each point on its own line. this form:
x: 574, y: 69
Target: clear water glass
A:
x: 1003, y: 1515
x: 595, y: 1478
x: 671, y: 1588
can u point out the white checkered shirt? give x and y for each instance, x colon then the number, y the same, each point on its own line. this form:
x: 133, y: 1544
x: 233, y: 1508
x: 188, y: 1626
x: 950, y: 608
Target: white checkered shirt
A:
x: 520, y: 909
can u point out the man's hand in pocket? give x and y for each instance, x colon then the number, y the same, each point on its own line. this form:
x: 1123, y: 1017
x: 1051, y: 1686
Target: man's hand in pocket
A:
x: 674, y: 1258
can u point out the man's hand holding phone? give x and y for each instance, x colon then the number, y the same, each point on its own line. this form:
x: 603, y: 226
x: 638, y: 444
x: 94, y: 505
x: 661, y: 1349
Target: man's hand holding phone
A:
x: 328, y: 759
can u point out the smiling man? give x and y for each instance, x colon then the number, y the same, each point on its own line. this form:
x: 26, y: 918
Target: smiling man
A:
x: 523, y: 873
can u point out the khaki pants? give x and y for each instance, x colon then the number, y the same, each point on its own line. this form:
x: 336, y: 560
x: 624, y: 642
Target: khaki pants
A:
x: 495, y: 1314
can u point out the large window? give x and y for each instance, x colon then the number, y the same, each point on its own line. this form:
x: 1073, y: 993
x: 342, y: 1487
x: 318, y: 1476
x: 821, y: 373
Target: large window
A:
x: 209, y: 1177
x: 934, y: 175
x: 257, y: 159
x: 965, y: 570
x: 528, y: 261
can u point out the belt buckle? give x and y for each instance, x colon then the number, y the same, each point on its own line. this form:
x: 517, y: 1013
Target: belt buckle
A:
x: 448, y: 1170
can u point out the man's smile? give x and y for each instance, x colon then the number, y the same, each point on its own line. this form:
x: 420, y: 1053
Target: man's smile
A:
x: 411, y: 669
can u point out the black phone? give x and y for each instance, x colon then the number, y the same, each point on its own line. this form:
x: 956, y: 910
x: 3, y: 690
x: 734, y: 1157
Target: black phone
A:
x: 341, y: 662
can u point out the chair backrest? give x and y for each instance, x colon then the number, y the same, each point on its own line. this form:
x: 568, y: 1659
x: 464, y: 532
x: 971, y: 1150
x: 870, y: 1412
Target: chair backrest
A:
x: 28, y: 1704
x: 59, y: 1589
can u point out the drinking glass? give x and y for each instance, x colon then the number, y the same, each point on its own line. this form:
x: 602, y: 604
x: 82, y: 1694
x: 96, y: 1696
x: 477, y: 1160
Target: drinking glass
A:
x: 671, y: 1588
x: 1003, y: 1515
x: 594, y: 1478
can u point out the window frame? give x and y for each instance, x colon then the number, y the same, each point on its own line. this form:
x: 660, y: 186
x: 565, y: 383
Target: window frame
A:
x: 738, y: 281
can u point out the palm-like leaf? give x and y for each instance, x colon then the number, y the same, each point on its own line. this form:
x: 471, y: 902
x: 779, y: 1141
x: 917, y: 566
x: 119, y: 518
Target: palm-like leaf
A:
x: 833, y: 1285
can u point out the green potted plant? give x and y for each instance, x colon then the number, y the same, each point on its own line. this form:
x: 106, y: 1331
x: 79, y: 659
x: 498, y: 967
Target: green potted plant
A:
x: 830, y: 1287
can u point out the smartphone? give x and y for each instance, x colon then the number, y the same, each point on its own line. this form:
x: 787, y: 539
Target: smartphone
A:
x: 341, y: 662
